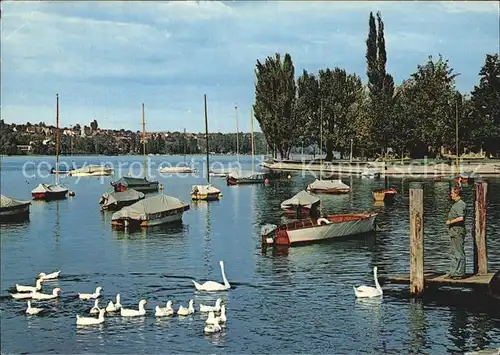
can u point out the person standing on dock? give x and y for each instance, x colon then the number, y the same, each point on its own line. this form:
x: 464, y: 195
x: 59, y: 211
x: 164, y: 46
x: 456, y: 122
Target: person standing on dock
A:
x: 456, y: 225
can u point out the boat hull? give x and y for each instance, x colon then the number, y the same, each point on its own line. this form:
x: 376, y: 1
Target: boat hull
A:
x: 16, y: 213
x: 214, y: 196
x: 329, y: 191
x: 316, y: 230
x: 151, y: 187
x: 385, y: 195
x: 232, y: 181
x: 49, y: 195
x: 119, y: 205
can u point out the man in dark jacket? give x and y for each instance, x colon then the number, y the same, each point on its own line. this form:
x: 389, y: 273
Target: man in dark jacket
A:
x: 456, y: 225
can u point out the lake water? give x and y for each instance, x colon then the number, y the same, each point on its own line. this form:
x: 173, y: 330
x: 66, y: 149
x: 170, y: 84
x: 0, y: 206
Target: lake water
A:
x: 300, y: 302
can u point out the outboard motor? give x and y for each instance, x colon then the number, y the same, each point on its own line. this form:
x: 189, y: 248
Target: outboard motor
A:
x: 494, y: 286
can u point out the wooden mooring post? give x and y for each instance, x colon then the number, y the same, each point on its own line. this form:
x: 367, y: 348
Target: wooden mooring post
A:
x: 416, y: 240
x: 479, y: 232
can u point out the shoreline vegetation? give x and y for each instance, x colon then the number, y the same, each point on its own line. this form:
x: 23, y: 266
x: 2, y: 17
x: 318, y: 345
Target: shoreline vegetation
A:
x: 322, y: 113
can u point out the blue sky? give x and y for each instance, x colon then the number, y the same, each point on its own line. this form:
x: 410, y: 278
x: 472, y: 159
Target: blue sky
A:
x: 106, y: 58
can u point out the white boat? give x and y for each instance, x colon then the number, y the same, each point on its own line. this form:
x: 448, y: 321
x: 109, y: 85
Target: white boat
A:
x: 328, y: 187
x: 177, y: 170
x: 221, y: 172
x: 13, y: 210
x: 245, y: 177
x: 318, y: 229
x: 151, y: 211
x: 91, y: 170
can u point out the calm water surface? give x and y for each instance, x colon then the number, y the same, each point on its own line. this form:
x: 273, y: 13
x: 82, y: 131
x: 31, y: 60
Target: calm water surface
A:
x: 301, y: 302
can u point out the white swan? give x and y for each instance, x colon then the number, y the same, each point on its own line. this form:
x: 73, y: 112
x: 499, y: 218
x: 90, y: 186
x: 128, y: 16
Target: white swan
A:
x: 38, y: 287
x: 114, y: 307
x: 95, y: 309
x: 124, y: 312
x: 164, y: 312
x: 32, y: 310
x: 22, y: 295
x: 368, y: 291
x: 88, y: 296
x: 53, y: 275
x: 91, y: 320
x: 44, y: 296
x: 212, y: 319
x: 212, y: 328
x: 216, y: 308
x: 212, y: 285
x: 222, y: 317
x: 186, y: 311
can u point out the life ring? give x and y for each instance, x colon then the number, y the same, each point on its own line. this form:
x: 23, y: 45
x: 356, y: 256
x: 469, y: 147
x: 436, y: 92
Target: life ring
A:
x: 321, y: 220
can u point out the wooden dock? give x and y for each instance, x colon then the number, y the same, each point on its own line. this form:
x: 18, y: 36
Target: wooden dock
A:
x: 437, y: 280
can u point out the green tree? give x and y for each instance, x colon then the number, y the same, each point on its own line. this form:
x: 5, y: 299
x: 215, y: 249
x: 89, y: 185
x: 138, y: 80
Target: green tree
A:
x: 275, y: 95
x: 485, y: 101
x: 307, y: 109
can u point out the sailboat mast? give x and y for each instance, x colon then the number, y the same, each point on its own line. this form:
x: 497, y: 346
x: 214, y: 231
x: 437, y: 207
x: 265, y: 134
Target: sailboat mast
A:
x: 143, y: 142
x: 185, y: 145
x: 237, y: 134
x: 321, y: 142
x: 251, y: 130
x: 57, y: 139
x: 206, y: 137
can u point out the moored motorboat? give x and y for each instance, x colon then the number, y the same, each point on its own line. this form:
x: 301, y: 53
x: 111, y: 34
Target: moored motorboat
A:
x: 328, y: 187
x: 91, y: 170
x: 177, y: 170
x: 386, y: 195
x: 205, y: 192
x: 13, y: 210
x: 49, y: 192
x: 138, y: 184
x: 151, y: 211
x: 237, y: 177
x: 302, y: 204
x: 318, y: 229
x: 114, y: 201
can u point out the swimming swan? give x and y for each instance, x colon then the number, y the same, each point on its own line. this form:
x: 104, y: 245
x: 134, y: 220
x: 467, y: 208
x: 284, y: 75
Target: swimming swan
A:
x: 368, y: 291
x: 212, y: 285
x: 164, y: 312
x: 44, y: 296
x: 114, y: 307
x: 212, y: 328
x: 124, y: 312
x: 88, y: 296
x: 216, y: 308
x: 212, y: 319
x: 186, y: 311
x: 38, y: 287
x: 91, y: 320
x: 53, y: 275
x: 32, y: 310
x: 95, y: 309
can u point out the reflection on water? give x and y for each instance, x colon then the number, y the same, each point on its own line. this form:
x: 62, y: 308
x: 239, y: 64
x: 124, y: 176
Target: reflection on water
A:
x: 277, y: 299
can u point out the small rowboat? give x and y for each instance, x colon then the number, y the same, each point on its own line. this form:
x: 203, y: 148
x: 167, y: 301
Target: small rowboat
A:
x: 386, y: 195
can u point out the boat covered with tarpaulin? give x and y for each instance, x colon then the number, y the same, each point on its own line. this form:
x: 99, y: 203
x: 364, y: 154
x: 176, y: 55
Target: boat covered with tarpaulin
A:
x: 13, y: 210
x: 151, y: 211
x: 117, y: 200
x: 303, y: 203
x: 328, y: 187
x: 138, y: 184
x: 205, y: 192
x: 237, y: 177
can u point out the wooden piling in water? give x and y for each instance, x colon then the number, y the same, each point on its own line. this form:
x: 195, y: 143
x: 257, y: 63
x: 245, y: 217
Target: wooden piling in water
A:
x: 416, y: 241
x: 479, y: 231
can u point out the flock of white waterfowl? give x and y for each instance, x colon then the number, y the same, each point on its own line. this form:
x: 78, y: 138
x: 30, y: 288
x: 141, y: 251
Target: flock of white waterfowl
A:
x: 213, y: 323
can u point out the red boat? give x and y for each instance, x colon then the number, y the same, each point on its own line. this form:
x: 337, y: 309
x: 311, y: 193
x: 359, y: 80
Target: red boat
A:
x: 386, y: 195
x: 49, y: 192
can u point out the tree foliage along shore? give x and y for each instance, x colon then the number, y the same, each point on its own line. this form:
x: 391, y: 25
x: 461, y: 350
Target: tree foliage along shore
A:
x: 41, y: 140
x: 415, y: 118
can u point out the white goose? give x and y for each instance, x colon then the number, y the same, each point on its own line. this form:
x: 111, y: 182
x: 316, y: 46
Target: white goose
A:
x: 88, y: 296
x: 22, y: 295
x: 114, y: 307
x: 216, y: 308
x: 212, y: 319
x: 368, y: 291
x: 124, y: 312
x: 38, y: 287
x: 32, y: 310
x: 44, y: 296
x: 212, y: 285
x: 186, y: 311
x: 91, y: 320
x: 212, y: 328
x: 53, y: 275
x: 95, y: 309
x: 164, y: 312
